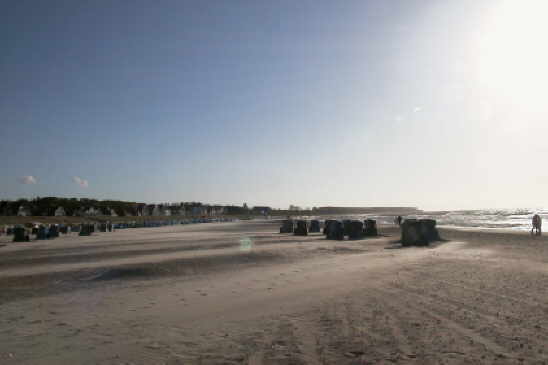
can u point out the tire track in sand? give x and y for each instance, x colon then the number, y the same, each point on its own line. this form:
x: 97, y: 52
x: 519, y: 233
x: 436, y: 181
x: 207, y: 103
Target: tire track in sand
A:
x: 425, y: 309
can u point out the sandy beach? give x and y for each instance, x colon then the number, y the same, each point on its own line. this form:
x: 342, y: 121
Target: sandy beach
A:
x: 241, y: 293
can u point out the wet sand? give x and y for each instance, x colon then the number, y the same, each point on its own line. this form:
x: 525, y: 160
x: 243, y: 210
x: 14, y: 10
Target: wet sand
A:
x: 240, y: 293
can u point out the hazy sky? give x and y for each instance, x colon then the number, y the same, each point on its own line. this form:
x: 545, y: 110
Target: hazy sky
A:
x: 436, y: 104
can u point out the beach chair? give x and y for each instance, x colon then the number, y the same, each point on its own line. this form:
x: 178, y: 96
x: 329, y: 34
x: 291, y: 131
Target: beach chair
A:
x: 418, y: 232
x: 370, y: 228
x: 335, y: 231
x: 287, y: 226
x: 301, y: 229
x: 355, y: 230
x: 314, y: 226
x: 20, y: 235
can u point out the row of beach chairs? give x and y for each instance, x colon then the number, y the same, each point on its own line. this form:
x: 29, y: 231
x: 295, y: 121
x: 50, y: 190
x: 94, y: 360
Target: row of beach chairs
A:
x: 414, y: 232
x: 332, y: 229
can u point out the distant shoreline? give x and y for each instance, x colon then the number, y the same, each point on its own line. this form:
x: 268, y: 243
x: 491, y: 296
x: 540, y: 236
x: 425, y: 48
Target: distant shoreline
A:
x: 385, y: 211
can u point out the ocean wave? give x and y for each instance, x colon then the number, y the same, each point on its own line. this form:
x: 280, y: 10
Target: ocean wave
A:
x: 516, y: 219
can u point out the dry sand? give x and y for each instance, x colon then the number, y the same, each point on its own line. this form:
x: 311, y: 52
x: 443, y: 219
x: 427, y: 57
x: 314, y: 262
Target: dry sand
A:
x: 239, y: 293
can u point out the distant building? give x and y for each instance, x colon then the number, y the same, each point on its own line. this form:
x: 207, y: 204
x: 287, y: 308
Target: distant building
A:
x: 179, y: 210
x: 60, y: 212
x: 216, y: 210
x: 261, y: 210
x: 199, y: 210
x: 23, y: 211
x: 157, y: 211
x: 92, y: 212
x: 142, y: 210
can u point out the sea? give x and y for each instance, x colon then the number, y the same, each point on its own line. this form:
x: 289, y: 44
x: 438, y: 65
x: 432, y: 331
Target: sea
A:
x: 514, y: 219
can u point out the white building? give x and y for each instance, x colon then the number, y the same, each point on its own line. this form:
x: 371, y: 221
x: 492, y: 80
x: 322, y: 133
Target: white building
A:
x: 23, y: 212
x: 156, y: 212
x: 216, y: 210
x: 60, y: 212
x: 200, y: 210
x: 91, y: 211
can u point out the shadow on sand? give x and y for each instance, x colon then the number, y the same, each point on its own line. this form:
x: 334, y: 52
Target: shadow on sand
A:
x: 396, y: 244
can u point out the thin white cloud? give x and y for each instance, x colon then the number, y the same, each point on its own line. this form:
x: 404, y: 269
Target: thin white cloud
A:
x: 27, y: 180
x: 82, y: 182
x: 398, y: 118
x: 417, y: 109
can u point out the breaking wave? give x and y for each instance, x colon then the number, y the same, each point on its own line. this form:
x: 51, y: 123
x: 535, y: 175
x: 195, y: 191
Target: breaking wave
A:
x: 518, y: 219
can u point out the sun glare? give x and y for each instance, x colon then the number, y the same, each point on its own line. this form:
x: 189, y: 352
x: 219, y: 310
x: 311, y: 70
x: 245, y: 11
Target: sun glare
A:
x: 513, y: 53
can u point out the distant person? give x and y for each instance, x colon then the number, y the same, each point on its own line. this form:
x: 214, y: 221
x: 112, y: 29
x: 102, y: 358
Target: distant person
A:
x: 399, y: 220
x: 537, y: 225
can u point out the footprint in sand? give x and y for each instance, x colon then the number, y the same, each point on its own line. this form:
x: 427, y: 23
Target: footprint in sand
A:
x: 17, y: 318
x: 153, y: 346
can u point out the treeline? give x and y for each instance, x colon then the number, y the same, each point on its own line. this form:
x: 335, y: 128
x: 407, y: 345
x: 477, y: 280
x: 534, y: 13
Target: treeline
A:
x: 47, y: 206
x: 51, y: 206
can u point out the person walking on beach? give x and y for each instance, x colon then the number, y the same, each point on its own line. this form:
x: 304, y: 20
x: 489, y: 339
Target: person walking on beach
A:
x: 537, y: 225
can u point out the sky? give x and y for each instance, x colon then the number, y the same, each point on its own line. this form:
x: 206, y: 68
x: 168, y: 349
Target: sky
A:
x: 434, y: 104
